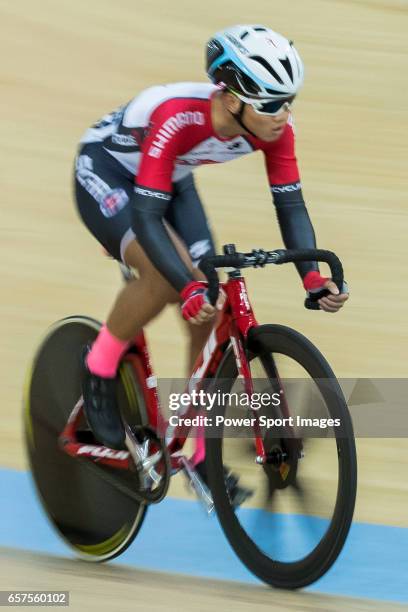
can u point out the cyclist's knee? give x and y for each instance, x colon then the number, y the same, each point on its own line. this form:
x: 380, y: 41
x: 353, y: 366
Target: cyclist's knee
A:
x: 160, y: 287
x: 159, y: 290
x: 157, y: 286
x: 135, y: 257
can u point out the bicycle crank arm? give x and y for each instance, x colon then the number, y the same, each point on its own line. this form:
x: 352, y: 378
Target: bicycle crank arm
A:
x: 199, y: 486
x: 140, y: 453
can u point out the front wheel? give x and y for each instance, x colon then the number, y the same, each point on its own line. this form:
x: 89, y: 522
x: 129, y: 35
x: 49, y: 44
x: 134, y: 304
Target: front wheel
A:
x: 294, y: 526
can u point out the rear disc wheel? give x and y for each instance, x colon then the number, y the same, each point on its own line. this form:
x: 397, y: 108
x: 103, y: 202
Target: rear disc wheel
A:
x: 93, y: 507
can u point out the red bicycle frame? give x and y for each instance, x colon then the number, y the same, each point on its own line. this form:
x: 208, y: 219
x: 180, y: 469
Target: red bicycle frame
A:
x: 234, y: 320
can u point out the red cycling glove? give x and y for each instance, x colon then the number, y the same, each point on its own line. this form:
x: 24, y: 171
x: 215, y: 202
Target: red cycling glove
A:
x: 313, y: 282
x: 194, y: 296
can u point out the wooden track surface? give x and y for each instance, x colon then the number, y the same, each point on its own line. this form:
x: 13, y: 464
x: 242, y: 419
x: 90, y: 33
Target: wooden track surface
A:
x: 65, y: 64
x: 128, y: 589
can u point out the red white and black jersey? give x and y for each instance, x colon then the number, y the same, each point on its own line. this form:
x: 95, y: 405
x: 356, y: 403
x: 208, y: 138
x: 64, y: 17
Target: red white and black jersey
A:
x: 164, y: 132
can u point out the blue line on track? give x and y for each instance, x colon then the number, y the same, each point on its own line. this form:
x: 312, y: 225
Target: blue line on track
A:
x: 178, y: 537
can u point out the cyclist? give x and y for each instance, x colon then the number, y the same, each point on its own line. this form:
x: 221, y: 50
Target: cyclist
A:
x: 135, y: 192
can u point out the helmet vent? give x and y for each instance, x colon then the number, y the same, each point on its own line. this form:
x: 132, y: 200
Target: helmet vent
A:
x: 273, y: 92
x: 260, y: 29
x: 235, y: 79
x: 267, y: 67
x: 214, y: 51
x: 286, y: 64
x: 244, y: 35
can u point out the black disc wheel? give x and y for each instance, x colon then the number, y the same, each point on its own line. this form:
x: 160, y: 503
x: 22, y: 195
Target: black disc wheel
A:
x: 292, y: 528
x: 95, y: 508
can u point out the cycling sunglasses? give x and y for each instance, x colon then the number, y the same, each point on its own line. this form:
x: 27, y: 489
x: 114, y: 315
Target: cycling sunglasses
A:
x: 274, y: 107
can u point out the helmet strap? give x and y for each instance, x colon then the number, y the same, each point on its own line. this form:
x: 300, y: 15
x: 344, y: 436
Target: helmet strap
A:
x: 238, y: 117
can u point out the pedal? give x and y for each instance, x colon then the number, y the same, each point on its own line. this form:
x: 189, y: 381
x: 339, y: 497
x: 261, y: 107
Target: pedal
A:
x: 201, y: 489
x: 237, y: 493
x: 240, y: 495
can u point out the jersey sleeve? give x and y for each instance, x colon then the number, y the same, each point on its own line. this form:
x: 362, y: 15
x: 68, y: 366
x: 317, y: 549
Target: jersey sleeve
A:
x: 159, y: 151
x: 174, y: 129
x: 280, y: 159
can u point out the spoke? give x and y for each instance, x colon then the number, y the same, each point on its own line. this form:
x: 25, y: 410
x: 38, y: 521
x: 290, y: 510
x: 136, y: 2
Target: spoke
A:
x: 309, y: 504
x: 270, y: 490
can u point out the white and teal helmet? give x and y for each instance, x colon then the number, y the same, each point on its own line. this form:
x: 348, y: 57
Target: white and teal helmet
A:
x: 255, y: 63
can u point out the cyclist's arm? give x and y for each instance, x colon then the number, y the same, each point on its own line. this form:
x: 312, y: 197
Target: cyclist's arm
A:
x: 152, y: 196
x: 294, y: 221
x: 149, y: 208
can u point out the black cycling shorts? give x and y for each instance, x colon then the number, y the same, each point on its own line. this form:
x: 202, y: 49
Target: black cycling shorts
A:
x: 104, y: 190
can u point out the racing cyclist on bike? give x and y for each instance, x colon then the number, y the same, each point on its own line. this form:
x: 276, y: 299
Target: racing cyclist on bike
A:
x: 135, y: 192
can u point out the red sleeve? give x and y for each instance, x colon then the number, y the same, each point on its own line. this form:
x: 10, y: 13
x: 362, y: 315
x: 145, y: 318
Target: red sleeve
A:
x: 280, y: 159
x: 175, y: 128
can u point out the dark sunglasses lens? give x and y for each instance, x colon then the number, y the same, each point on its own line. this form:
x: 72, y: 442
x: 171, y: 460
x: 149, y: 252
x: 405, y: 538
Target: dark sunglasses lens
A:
x: 275, y: 105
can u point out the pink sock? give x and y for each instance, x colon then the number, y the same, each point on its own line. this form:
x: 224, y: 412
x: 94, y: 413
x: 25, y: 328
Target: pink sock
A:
x: 199, y: 453
x: 104, y: 356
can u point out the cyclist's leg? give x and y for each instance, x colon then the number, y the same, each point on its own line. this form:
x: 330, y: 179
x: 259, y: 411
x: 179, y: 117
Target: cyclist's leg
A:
x: 186, y: 214
x: 104, y: 194
x: 144, y: 298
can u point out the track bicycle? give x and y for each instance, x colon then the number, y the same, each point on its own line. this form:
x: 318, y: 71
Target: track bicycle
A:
x: 293, y: 526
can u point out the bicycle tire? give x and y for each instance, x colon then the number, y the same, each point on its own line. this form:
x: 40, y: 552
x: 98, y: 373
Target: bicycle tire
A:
x: 284, y: 340
x: 91, y: 507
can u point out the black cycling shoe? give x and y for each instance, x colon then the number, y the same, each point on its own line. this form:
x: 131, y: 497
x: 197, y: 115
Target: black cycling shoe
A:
x: 100, y: 407
x: 236, y: 493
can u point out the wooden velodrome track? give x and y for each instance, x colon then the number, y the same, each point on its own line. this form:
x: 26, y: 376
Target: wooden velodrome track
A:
x: 66, y: 63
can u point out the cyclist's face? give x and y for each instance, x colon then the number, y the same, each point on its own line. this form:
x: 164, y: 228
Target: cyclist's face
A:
x: 266, y: 127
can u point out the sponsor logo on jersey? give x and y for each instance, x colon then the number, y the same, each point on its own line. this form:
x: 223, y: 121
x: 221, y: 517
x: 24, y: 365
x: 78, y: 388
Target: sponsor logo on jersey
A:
x: 152, y: 194
x: 124, y: 140
x: 110, y: 201
x: 286, y: 188
x: 172, y: 126
x: 212, y: 151
x: 113, y: 202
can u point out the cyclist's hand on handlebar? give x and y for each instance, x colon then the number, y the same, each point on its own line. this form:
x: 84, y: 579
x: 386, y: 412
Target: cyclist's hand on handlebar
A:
x: 196, y: 308
x: 332, y: 301
x: 335, y: 300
